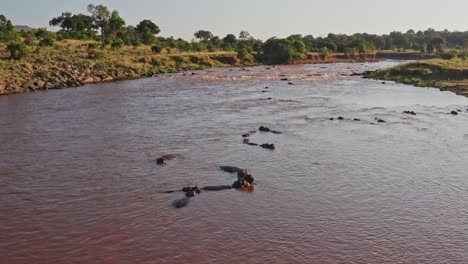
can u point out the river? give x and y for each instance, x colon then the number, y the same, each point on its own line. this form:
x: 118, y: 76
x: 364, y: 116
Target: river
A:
x: 79, y: 182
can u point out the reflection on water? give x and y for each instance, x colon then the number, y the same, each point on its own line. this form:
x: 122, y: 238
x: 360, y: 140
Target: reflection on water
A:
x: 79, y: 181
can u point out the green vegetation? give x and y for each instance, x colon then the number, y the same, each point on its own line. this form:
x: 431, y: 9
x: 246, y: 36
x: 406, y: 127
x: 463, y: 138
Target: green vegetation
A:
x: 71, y: 63
x: 7, y: 30
x: 282, y: 51
x: 448, y: 74
x: 18, y: 51
x: 138, y: 51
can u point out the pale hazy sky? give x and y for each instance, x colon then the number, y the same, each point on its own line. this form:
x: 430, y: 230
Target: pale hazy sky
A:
x: 262, y: 18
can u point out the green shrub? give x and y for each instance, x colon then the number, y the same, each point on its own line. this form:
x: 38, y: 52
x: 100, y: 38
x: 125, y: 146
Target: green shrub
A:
x: 324, y: 53
x: 47, y: 41
x: 277, y: 51
x: 245, y: 56
x: 18, y: 51
x: 92, y: 46
x: 449, y: 55
x: 29, y: 38
x: 178, y: 59
x: 351, y: 52
x: 117, y: 44
x: 156, y: 48
x: 283, y: 50
x: 211, y: 48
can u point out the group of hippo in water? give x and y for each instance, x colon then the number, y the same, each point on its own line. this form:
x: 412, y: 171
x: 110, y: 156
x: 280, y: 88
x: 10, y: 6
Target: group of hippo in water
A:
x: 379, y: 120
x: 261, y: 129
x: 245, y: 180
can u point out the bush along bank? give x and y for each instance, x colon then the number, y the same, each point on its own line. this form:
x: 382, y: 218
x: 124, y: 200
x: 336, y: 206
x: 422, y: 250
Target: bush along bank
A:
x: 450, y: 75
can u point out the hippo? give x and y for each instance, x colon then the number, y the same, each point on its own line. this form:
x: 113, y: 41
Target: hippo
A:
x: 231, y: 169
x: 454, y: 113
x: 291, y: 83
x: 241, y: 184
x: 268, y: 146
x: 331, y: 118
x: 251, y: 144
x: 409, y: 112
x: 191, y: 191
x: 161, y: 161
x: 267, y: 129
x: 284, y: 79
x: 356, y: 119
x: 246, y: 140
x: 380, y: 120
x: 246, y: 135
x: 244, y: 180
x: 181, y: 202
x: 340, y: 118
x: 217, y: 188
x: 245, y: 175
x: 165, y: 158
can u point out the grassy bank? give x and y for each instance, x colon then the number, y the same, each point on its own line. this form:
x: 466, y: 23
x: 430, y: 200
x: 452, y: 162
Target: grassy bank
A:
x: 73, y: 63
x: 449, y: 75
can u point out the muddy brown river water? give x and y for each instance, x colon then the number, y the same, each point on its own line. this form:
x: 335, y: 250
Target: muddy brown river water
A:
x: 79, y: 182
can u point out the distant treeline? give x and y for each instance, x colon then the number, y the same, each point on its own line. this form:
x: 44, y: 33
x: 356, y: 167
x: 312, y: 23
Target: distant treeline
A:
x: 110, y: 29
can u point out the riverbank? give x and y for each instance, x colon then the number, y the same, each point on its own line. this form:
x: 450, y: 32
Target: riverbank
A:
x: 450, y: 75
x: 73, y: 63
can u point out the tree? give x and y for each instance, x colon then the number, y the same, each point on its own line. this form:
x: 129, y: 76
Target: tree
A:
x: 439, y: 43
x: 147, y: 24
x: 430, y: 48
x: 116, y: 24
x: 100, y: 15
x: 423, y: 48
x: 82, y: 23
x: 309, y: 41
x: 295, y: 37
x: 5, y: 24
x: 148, y: 36
x: 282, y: 50
x: 230, y: 38
x: 64, y: 21
x: 299, y: 46
x: 7, y: 30
x: 244, y: 35
x: 73, y: 26
x: 203, y: 35
x: 400, y: 40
